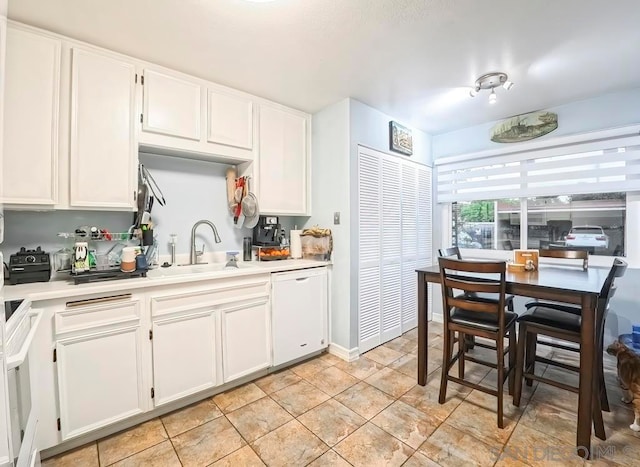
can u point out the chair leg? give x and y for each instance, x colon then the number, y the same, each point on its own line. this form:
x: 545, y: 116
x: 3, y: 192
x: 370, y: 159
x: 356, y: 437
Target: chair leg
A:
x: 598, y: 423
x: 447, y: 351
x: 522, y: 339
x: 530, y: 356
x: 469, y: 342
x: 462, y: 347
x: 510, y: 305
x: 604, y: 400
x: 512, y: 359
x: 500, y: 350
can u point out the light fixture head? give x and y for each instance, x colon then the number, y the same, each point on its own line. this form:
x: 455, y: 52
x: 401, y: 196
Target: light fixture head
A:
x: 490, y: 81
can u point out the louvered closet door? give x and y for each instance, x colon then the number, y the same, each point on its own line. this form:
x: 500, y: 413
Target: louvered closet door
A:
x: 409, y: 246
x: 394, y: 221
x: 369, y: 218
x: 391, y: 249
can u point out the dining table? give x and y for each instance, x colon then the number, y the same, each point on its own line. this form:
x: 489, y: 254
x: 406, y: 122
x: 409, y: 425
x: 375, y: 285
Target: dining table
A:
x: 549, y: 282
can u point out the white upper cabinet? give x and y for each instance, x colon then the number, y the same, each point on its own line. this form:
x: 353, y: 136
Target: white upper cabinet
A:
x: 103, y: 148
x: 283, y: 153
x: 188, y: 117
x: 229, y: 119
x: 171, y: 106
x: 32, y: 91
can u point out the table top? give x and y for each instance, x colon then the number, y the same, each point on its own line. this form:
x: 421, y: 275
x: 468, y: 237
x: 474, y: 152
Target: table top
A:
x: 555, y: 277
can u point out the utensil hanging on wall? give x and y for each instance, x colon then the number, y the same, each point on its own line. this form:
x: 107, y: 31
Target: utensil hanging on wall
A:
x: 250, y: 207
x: 231, y: 189
x: 152, y: 186
x: 239, y: 192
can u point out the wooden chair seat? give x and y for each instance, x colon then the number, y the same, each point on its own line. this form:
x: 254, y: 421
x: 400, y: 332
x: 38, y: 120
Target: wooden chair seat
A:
x: 481, y: 320
x: 553, y: 318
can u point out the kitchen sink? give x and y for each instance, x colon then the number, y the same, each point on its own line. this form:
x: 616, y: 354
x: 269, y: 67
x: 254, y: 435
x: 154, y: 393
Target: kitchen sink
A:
x: 181, y: 270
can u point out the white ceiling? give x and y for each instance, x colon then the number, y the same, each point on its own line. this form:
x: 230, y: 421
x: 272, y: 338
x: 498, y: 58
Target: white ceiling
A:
x: 413, y: 59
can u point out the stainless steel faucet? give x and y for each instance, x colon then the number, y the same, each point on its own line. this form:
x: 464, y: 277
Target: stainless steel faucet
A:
x: 193, y: 257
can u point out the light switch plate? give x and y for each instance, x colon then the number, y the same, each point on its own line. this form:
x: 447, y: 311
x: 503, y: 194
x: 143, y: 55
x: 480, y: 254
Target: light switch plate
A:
x: 336, y: 218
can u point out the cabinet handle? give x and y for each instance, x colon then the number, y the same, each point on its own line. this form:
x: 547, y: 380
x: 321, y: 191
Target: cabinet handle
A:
x: 94, y: 301
x: 302, y: 279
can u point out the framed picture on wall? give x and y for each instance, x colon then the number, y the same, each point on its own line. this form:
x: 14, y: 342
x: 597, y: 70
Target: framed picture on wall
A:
x: 400, y: 139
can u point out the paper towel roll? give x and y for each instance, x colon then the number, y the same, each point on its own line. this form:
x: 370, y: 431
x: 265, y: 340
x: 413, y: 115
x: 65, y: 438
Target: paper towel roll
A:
x: 295, y: 248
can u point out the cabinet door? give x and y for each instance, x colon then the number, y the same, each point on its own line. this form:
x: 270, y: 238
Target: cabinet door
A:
x: 246, y: 341
x: 99, y: 379
x: 230, y: 120
x: 103, y: 147
x: 299, y: 314
x: 183, y: 355
x: 283, y: 162
x: 32, y: 91
x: 171, y: 106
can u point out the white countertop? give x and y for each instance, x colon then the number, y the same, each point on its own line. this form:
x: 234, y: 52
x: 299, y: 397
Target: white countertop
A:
x: 56, y: 289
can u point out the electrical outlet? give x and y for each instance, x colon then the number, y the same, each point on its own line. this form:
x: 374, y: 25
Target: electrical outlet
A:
x: 336, y: 218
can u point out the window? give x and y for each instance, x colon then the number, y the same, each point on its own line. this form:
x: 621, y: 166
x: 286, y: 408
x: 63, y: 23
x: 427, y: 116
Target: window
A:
x: 486, y: 224
x: 567, y: 192
x: 594, y: 222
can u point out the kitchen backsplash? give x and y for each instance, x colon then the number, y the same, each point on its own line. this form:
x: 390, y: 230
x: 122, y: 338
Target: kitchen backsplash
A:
x: 193, y: 190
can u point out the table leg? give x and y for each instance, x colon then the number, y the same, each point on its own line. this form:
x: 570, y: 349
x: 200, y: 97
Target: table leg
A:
x: 587, y: 358
x: 423, y: 329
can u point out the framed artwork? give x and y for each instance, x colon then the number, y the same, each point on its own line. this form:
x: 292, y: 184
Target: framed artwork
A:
x: 524, y: 127
x: 400, y: 139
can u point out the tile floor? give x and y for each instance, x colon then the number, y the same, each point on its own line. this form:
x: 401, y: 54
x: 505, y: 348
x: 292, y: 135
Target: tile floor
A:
x: 365, y: 413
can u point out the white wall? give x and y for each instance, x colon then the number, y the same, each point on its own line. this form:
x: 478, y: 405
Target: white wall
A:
x: 194, y: 190
x: 330, y: 193
x: 607, y: 111
x: 337, y: 132
x: 370, y: 127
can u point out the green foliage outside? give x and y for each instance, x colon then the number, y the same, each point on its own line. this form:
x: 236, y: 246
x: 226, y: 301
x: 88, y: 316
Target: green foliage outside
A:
x: 477, y: 211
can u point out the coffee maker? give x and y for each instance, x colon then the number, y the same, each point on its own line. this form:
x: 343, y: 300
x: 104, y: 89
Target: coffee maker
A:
x: 267, y: 232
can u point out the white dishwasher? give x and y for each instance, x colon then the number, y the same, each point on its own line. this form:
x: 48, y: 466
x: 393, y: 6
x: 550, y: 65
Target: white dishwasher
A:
x: 299, y: 312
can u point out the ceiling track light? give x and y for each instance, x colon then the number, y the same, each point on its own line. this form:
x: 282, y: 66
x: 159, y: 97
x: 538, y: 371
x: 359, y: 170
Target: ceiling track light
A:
x: 491, y: 81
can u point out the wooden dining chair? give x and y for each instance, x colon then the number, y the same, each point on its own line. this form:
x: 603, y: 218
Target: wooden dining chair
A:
x: 454, y: 252
x: 563, y: 322
x: 582, y: 255
x: 466, y: 314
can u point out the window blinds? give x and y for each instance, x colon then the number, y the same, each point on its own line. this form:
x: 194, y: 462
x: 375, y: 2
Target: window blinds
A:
x: 599, y: 162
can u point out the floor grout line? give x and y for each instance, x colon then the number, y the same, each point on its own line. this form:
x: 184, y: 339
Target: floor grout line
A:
x: 323, y: 364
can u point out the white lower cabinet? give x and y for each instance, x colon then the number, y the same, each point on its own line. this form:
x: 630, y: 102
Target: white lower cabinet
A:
x: 184, y: 354
x: 300, y: 304
x: 118, y: 356
x: 246, y: 339
x: 99, y: 364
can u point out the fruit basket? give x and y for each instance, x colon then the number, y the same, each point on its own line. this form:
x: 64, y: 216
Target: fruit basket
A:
x: 273, y: 253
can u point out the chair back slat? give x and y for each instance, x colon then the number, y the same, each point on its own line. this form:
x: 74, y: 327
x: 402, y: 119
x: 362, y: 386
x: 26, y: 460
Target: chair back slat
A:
x: 469, y: 285
x: 453, y: 251
x: 566, y: 254
x: 471, y: 304
x: 469, y: 277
